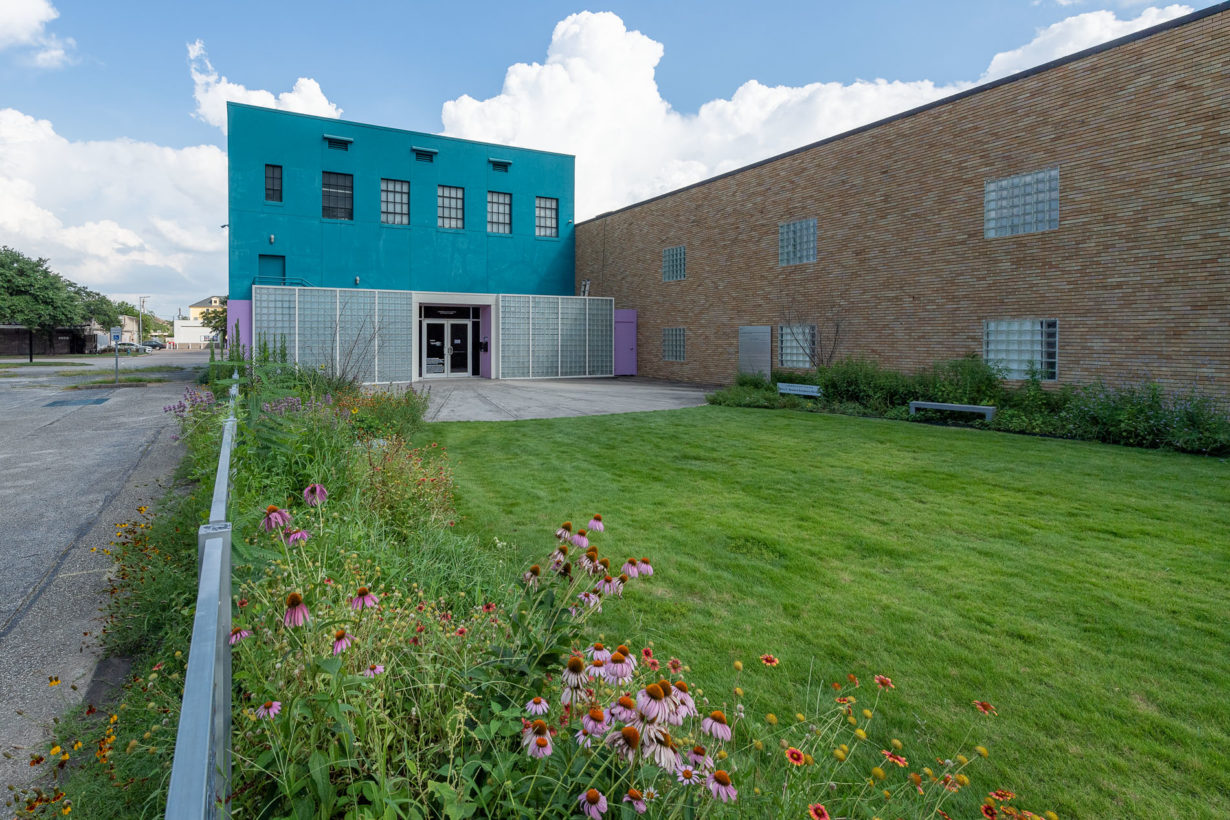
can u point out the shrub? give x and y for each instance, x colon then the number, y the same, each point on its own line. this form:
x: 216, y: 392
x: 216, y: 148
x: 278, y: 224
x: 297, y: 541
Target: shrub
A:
x: 864, y: 382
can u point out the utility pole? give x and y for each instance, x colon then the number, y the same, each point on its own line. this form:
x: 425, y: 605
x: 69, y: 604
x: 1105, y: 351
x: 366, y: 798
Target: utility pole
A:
x: 141, y: 319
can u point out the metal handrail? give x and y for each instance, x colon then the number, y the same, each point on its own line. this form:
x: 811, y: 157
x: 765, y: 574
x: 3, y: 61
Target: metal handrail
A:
x: 201, y: 767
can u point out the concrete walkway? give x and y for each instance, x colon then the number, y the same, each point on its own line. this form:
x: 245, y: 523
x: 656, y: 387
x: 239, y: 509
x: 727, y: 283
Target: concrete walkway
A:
x: 511, y: 399
x: 68, y: 474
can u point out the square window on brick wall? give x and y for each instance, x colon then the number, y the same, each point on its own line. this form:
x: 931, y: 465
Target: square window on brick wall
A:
x: 450, y: 207
x: 674, y: 264
x: 796, y: 242
x: 395, y: 202
x: 1021, y: 346
x: 499, y: 212
x: 796, y: 346
x: 673, y: 349
x: 1025, y: 203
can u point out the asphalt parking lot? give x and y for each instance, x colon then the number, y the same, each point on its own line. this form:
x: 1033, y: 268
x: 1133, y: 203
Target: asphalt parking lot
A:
x: 73, y: 463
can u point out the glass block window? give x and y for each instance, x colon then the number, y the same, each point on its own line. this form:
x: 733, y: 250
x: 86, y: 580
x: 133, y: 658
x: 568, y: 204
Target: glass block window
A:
x: 674, y: 264
x: 337, y: 196
x: 544, y: 337
x: 395, y: 334
x: 1018, y: 346
x: 273, y: 183
x: 546, y: 216
x: 1025, y: 203
x: 796, y: 242
x: 499, y: 212
x: 450, y: 207
x: 514, y: 337
x: 394, y: 202
x: 796, y: 346
x: 572, y: 336
x: 673, y: 344
x: 601, y: 330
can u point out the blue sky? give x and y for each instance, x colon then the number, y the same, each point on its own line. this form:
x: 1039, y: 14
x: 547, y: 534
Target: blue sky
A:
x: 112, y: 147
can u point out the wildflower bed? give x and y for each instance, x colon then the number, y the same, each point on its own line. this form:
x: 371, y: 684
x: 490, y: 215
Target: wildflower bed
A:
x: 1073, y: 586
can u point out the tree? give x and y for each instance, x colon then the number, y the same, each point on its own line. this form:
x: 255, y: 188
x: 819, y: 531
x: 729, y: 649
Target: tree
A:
x: 95, y: 306
x: 33, y: 295
x: 215, y: 320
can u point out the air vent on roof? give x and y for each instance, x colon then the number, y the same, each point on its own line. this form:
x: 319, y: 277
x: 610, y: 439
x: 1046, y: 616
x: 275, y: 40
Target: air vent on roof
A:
x: 424, y: 154
x: 338, y: 145
x: 500, y: 165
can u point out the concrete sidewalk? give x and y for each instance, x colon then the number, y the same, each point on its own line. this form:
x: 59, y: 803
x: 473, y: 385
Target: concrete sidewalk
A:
x: 68, y: 474
x: 511, y: 399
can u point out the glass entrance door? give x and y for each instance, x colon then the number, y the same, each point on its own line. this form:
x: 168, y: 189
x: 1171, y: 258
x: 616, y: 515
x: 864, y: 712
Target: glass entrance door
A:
x: 446, y: 348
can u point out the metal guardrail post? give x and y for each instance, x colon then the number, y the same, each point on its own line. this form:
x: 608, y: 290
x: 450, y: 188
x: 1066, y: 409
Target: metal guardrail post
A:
x: 201, y: 768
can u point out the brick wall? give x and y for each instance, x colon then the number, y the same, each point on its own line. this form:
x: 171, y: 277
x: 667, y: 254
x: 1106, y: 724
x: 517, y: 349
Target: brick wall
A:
x: 1137, y: 274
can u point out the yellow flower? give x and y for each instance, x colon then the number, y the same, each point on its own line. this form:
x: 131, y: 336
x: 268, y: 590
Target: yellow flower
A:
x: 896, y: 744
x: 887, y: 794
x: 962, y: 759
x: 839, y: 754
x: 867, y: 714
x: 738, y: 691
x: 756, y: 790
x: 721, y: 755
x: 738, y: 666
x: 66, y: 810
x: 852, y: 720
x: 962, y: 779
x: 132, y: 745
x: 52, y: 680
x: 799, y: 717
x: 64, y: 756
x: 55, y: 750
x: 809, y: 760
x: 877, y: 772
x: 758, y: 745
x: 771, y: 719
x: 1050, y: 815
x: 860, y: 734
x: 982, y: 750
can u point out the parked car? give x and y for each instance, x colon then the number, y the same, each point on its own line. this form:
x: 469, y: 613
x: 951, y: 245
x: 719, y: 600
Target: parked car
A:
x: 129, y: 347
x: 155, y: 344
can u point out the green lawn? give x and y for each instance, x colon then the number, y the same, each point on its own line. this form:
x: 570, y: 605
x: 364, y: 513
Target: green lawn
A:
x: 1080, y: 588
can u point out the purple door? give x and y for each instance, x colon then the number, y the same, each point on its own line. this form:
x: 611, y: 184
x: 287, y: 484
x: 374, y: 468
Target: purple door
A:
x: 625, y: 343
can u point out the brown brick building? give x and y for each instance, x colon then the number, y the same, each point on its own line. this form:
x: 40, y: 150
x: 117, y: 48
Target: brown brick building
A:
x: 1076, y: 215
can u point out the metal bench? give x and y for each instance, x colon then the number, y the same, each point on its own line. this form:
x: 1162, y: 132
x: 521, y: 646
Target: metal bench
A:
x: 985, y: 409
x: 788, y: 389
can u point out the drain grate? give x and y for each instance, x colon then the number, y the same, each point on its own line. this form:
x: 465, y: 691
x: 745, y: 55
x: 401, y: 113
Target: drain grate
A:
x: 74, y: 402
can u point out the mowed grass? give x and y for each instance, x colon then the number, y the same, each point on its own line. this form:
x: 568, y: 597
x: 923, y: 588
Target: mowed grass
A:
x: 1080, y: 588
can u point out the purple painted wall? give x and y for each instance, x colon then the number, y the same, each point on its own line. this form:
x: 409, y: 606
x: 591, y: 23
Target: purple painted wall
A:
x: 484, y: 332
x: 239, y: 312
x: 625, y: 343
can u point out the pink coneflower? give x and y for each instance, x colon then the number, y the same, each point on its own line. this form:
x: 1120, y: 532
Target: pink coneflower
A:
x: 631, y: 568
x: 591, y: 599
x: 651, y: 702
x: 688, y: 776
x: 533, y: 729
x: 575, y: 676
x: 624, y: 709
x: 530, y: 578
x: 584, y: 739
x: 619, y: 669
x: 687, y: 706
x: 540, y: 746
x: 314, y: 495
x: 238, y: 633
x: 363, y: 597
x: 595, y: 523
x: 564, y: 533
x: 596, y: 721
x: 275, y: 518
x: 294, y: 534
x: 716, y: 726
x: 597, y: 669
x: 588, y: 561
x: 720, y: 786
x: 637, y: 800
x: 610, y: 586
x: 699, y: 758
x: 372, y: 670
x: 537, y: 706
x: 627, y: 653
x: 269, y: 709
x: 895, y: 758
x: 296, y: 611
x: 625, y: 743
x: 645, y: 568
x: 341, y: 640
x: 593, y: 803
x: 660, y: 747
x: 884, y: 683
x: 579, y: 540
x: 598, y: 652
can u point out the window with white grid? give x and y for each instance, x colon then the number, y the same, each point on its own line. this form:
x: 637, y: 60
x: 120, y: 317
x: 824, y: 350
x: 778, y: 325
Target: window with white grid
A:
x: 546, y: 216
x: 394, y: 202
x: 674, y: 264
x: 796, y: 345
x: 499, y: 212
x: 673, y: 349
x: 1025, y: 203
x: 450, y: 207
x: 1019, y: 346
x: 796, y: 242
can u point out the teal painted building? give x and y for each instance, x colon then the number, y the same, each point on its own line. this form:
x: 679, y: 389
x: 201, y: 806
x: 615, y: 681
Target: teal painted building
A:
x: 443, y: 257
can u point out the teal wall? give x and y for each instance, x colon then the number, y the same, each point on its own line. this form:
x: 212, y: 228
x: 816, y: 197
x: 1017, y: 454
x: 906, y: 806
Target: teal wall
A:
x: 418, y: 256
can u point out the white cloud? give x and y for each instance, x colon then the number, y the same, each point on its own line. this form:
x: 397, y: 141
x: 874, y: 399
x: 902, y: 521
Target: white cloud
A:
x: 119, y: 216
x: 1074, y: 34
x: 23, y: 25
x: 596, y: 97
x: 212, y: 92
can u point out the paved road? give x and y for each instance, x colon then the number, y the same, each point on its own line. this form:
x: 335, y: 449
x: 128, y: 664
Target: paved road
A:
x: 68, y: 474
x: 487, y: 400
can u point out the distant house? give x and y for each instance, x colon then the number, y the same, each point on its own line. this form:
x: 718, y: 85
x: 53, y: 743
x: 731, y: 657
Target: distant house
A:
x: 197, y: 309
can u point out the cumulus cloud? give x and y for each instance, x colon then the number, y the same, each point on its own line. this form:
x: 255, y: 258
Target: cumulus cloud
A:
x: 23, y: 26
x: 123, y: 217
x: 212, y: 92
x: 1076, y: 33
x: 596, y: 96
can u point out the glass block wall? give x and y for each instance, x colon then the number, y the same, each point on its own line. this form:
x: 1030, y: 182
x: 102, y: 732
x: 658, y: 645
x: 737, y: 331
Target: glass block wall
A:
x: 550, y: 336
